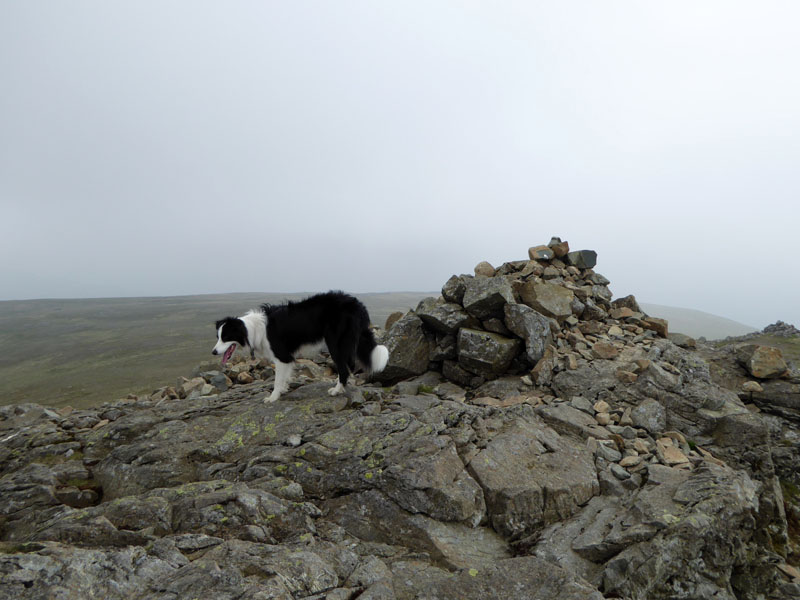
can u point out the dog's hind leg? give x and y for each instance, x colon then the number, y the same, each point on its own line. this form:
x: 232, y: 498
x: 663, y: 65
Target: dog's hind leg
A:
x: 283, y: 373
x: 343, y: 353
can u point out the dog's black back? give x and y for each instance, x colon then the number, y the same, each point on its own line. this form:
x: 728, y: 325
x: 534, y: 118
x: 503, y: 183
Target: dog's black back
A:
x: 338, y: 319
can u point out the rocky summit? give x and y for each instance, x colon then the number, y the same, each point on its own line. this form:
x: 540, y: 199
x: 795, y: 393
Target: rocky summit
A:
x: 530, y: 438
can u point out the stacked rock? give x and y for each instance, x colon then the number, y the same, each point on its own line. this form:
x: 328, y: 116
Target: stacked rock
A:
x: 536, y: 316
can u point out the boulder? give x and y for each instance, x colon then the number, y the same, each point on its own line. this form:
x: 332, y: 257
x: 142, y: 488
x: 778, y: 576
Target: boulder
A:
x: 660, y: 326
x: 485, y: 298
x: 484, y: 353
x: 763, y: 362
x: 582, y: 259
x: 550, y: 299
x: 444, y: 317
x: 409, y: 349
x: 650, y: 415
x: 454, y: 288
x: 533, y: 327
x: 628, y: 301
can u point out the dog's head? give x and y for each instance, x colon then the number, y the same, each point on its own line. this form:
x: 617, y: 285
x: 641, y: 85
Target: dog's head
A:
x: 231, y: 332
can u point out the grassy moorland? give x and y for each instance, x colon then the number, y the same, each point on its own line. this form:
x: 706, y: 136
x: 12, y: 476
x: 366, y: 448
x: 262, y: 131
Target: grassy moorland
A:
x: 86, y: 352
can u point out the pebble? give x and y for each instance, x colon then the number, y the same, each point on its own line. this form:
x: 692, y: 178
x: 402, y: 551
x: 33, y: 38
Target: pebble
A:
x: 619, y: 472
x: 602, y: 418
x: 581, y: 404
x: 244, y: 377
x: 602, y: 406
x: 630, y: 461
x: 752, y: 386
x: 608, y: 453
x: 627, y: 376
x: 673, y: 456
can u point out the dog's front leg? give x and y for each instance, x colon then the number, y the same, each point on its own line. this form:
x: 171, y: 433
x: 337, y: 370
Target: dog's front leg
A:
x: 283, y: 373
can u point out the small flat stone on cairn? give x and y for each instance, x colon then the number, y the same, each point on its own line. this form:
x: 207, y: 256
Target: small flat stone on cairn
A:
x: 541, y: 253
x: 583, y: 259
x: 559, y: 248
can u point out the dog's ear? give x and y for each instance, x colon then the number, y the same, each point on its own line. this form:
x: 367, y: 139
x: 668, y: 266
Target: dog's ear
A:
x: 220, y: 323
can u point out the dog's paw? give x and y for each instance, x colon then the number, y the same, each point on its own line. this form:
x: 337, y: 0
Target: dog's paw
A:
x: 271, y: 398
x: 336, y: 390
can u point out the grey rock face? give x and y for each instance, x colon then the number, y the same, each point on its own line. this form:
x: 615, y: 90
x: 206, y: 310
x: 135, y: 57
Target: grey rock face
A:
x: 484, y: 353
x: 519, y: 499
x: 638, y: 473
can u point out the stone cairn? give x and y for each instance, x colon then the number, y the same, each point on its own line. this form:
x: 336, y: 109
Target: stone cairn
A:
x: 523, y: 323
x: 531, y: 317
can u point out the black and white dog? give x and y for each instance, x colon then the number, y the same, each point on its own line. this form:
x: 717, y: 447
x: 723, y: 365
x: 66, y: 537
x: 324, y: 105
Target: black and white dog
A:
x: 280, y: 332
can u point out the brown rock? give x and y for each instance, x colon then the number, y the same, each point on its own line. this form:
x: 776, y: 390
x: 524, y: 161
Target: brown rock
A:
x: 763, y: 362
x: 630, y: 461
x: 626, y: 376
x: 615, y: 331
x: 542, y: 373
x: 622, y: 312
x: 660, y: 326
x: 244, y: 377
x: 550, y: 299
x: 671, y: 454
x: 605, y: 350
x: 602, y: 418
x: 392, y: 319
x: 602, y: 406
x: 532, y: 268
x: 752, y: 386
x: 485, y: 269
x: 559, y: 248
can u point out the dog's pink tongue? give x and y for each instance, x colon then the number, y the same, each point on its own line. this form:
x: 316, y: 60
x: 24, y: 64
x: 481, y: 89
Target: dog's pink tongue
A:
x: 228, y: 353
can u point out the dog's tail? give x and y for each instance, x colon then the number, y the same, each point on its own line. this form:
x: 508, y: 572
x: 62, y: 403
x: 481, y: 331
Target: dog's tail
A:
x: 371, y: 355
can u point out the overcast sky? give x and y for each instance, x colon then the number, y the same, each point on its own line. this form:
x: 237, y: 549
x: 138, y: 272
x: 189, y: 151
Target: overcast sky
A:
x: 186, y: 147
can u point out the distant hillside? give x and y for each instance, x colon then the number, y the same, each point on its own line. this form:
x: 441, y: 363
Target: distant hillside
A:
x: 88, y: 351
x: 697, y: 323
